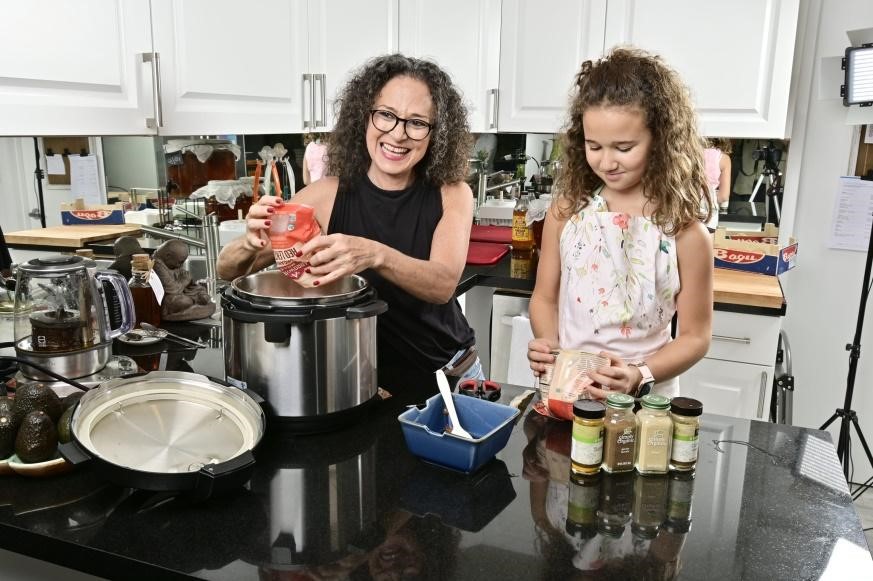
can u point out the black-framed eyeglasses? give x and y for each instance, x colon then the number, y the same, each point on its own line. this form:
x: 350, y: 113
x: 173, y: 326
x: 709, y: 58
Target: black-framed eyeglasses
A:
x: 386, y: 121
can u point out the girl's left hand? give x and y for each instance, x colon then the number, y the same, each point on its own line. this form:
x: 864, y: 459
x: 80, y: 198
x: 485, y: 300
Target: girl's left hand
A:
x: 334, y: 256
x: 618, y: 376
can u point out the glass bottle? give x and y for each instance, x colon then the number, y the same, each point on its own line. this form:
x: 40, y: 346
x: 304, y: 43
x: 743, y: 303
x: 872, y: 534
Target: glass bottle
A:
x: 685, y: 412
x: 583, y: 501
x: 522, y: 234
x: 620, y: 437
x: 650, y: 503
x: 655, y: 435
x: 586, y: 452
x: 145, y: 303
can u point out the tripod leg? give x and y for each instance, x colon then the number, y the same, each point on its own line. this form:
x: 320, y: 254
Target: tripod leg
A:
x: 843, y: 452
x: 754, y: 193
x: 825, y: 425
x: 862, y: 438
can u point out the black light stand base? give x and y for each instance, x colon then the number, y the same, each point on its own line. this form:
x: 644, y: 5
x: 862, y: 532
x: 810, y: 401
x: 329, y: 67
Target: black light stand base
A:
x: 844, y: 453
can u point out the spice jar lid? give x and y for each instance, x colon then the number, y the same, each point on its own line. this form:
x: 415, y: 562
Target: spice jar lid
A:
x: 655, y: 401
x: 619, y: 400
x: 686, y: 406
x: 589, y: 408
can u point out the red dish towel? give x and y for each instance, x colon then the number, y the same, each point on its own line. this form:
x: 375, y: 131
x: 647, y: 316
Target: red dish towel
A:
x: 501, y: 234
x: 485, y: 252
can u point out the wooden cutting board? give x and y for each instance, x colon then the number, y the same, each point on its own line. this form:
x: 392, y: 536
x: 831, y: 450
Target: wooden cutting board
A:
x: 747, y: 288
x: 71, y: 236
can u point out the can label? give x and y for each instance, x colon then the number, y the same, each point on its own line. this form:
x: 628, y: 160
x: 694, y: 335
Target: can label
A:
x: 587, y: 444
x: 686, y: 443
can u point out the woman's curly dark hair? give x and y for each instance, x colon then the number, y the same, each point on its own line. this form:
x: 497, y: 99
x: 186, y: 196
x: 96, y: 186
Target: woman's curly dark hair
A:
x: 450, y: 141
x: 674, y: 180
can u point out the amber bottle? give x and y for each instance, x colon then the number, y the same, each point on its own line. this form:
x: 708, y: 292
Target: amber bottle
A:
x: 145, y: 303
x: 522, y: 234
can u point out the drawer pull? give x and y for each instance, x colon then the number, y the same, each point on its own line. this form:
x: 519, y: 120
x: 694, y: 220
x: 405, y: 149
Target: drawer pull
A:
x: 728, y: 339
x: 761, y: 391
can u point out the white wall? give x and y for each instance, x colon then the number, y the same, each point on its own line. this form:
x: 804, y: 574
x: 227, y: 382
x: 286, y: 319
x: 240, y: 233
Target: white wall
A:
x: 823, y: 292
x: 130, y: 161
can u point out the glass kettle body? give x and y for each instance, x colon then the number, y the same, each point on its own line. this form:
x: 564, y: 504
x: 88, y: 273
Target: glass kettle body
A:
x: 70, y: 312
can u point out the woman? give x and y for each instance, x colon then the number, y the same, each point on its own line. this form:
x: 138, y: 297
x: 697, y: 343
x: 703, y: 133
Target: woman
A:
x: 398, y: 213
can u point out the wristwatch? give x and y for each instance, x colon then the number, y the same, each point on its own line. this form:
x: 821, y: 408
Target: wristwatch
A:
x: 648, y: 380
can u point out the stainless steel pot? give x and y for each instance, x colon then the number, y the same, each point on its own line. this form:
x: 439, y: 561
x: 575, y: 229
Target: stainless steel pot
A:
x: 310, y: 353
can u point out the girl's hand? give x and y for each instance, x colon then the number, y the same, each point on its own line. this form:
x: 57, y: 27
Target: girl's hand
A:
x: 258, y: 222
x: 539, y: 353
x: 334, y: 256
x: 618, y: 376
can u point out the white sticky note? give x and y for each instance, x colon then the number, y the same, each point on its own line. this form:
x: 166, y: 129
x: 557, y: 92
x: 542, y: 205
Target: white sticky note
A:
x: 84, y: 178
x: 55, y: 165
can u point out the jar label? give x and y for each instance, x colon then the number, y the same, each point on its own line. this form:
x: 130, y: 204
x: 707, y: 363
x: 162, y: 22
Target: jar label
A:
x: 587, y: 448
x: 685, y: 443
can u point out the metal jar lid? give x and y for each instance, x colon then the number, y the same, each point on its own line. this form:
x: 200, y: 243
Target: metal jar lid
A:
x: 56, y: 264
x: 271, y: 288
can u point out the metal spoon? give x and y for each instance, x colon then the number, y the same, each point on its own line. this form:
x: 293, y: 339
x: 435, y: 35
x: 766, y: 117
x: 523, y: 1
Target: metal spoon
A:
x: 187, y: 341
x: 446, y: 392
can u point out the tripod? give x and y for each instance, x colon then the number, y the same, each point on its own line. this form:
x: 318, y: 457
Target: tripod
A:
x: 773, y: 191
x: 848, y: 416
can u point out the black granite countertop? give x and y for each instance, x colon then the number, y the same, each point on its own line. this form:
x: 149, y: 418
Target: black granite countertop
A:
x: 767, y: 502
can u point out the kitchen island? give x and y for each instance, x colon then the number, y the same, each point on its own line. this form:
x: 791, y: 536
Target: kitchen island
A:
x: 767, y: 502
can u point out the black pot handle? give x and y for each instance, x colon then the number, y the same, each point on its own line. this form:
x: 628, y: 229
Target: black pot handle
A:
x: 370, y: 309
x: 205, y: 483
x: 74, y: 453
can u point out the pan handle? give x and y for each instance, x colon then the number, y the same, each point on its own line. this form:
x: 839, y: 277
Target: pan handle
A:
x: 216, y: 477
x: 74, y: 453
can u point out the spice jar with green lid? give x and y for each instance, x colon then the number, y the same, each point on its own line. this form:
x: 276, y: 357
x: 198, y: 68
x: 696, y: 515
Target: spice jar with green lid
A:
x: 620, y: 433
x: 586, y: 451
x: 655, y: 435
x: 686, y: 433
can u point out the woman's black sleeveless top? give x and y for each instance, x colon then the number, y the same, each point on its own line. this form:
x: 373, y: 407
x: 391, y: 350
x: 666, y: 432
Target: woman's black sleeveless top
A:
x: 413, y: 333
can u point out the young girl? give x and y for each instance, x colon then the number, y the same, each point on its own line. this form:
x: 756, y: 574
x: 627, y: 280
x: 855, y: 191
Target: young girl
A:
x: 314, y: 157
x: 624, y: 245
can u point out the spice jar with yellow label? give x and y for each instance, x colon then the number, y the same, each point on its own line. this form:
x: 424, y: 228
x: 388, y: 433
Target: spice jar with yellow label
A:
x: 686, y: 433
x: 655, y: 435
x: 620, y: 436
x: 586, y: 452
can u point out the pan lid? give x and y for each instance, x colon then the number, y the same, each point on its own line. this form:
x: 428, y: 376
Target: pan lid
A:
x: 274, y: 289
x: 167, y: 422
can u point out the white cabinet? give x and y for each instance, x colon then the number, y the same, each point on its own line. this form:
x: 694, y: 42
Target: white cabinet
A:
x: 542, y: 45
x: 735, y: 56
x: 736, y: 376
x: 343, y: 35
x: 231, y: 67
x: 75, y: 68
x: 463, y: 37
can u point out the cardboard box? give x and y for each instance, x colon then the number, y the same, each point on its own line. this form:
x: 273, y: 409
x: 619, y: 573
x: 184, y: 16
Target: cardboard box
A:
x: 79, y: 213
x: 754, y: 251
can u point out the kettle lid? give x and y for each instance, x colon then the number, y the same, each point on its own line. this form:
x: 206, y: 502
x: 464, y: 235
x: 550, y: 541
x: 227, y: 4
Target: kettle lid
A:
x: 57, y: 263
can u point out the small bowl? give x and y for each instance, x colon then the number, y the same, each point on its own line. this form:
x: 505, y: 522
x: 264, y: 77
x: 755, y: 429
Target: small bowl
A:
x: 489, y: 423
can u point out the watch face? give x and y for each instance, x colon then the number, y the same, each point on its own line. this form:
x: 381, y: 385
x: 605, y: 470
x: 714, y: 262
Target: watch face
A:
x: 646, y: 388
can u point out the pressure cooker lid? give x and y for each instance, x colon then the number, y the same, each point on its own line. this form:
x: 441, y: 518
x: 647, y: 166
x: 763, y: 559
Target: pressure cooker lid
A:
x: 167, y: 422
x: 57, y: 264
x: 272, y: 288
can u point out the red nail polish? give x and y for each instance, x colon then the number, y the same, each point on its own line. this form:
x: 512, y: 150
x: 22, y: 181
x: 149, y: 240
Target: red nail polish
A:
x: 308, y: 270
x: 267, y: 222
x: 315, y: 283
x: 299, y: 253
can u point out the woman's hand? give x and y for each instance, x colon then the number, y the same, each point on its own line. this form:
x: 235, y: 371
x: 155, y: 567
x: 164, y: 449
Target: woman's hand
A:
x: 539, y: 354
x: 258, y: 222
x: 334, y: 256
x: 618, y: 376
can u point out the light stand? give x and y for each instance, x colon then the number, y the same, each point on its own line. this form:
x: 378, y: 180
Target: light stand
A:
x: 847, y: 415
x: 773, y: 191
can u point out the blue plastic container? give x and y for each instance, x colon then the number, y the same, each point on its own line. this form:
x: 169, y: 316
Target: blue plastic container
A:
x: 489, y: 423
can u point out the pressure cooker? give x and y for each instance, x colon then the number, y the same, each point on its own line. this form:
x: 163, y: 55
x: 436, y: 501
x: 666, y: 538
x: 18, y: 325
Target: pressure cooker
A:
x: 310, y: 353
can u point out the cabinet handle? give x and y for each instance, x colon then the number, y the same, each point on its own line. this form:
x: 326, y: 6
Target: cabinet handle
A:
x: 492, y: 118
x: 155, y: 59
x: 306, y: 77
x: 761, y: 391
x: 322, y: 80
x: 728, y: 339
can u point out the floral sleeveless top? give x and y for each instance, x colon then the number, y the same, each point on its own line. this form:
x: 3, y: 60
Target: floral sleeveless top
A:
x: 619, y: 280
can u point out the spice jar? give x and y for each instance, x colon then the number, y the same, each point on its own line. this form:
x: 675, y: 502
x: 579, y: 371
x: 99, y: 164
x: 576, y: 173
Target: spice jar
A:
x: 586, y: 452
x: 650, y: 504
x: 616, y: 500
x: 582, y: 504
x: 686, y: 433
x: 681, y: 492
x: 655, y: 435
x: 620, y: 433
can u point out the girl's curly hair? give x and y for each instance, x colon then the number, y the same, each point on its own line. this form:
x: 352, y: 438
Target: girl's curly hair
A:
x: 450, y: 140
x: 674, y: 180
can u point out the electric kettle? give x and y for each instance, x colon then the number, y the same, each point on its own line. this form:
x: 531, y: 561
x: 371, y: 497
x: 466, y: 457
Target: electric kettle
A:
x: 69, y: 314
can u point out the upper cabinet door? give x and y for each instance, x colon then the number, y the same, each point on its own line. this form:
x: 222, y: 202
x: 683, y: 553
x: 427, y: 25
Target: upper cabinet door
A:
x: 75, y: 68
x: 345, y: 34
x: 542, y: 45
x: 463, y: 37
x: 231, y: 67
x: 740, y: 87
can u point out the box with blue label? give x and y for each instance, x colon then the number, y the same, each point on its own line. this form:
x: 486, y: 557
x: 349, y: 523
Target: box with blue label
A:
x: 79, y: 213
x: 758, y: 252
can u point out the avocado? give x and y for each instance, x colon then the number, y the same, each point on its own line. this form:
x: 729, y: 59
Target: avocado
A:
x: 65, y: 425
x: 37, y: 438
x: 5, y: 403
x: 71, y: 400
x: 7, y: 434
x: 36, y: 396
